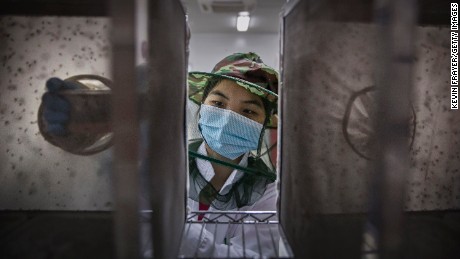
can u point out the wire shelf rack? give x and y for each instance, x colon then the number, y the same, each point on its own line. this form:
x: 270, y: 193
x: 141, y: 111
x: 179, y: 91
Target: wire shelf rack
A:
x: 241, y: 222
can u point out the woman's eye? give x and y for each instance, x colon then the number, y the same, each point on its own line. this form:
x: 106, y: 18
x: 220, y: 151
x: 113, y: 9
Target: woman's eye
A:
x: 217, y: 103
x: 251, y: 112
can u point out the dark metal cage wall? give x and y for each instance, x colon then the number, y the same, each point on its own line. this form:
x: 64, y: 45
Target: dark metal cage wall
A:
x: 166, y: 136
x: 368, y: 144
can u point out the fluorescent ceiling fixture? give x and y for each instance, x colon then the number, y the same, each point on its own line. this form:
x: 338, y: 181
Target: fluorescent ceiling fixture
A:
x: 242, y: 22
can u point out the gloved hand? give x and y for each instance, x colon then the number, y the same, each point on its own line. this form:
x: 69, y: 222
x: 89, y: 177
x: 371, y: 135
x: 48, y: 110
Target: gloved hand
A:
x: 56, y: 108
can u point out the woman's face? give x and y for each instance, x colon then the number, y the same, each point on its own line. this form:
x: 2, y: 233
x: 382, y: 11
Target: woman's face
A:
x: 227, y: 94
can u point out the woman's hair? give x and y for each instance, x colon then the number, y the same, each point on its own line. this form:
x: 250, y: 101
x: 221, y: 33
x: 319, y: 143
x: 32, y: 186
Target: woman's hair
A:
x: 213, y: 82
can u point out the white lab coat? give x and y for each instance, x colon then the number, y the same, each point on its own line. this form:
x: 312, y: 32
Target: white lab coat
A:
x: 213, y: 239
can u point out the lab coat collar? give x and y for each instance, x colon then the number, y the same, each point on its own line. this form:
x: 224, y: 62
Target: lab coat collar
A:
x: 206, y: 170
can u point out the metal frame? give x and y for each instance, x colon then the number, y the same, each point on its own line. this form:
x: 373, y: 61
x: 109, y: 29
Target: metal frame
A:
x: 397, y: 20
x: 166, y: 133
x: 396, y: 58
x: 126, y: 130
x: 56, y: 7
x: 167, y: 143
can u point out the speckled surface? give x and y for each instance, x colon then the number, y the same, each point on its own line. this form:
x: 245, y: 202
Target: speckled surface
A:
x: 37, y: 175
x: 434, y: 178
x: 325, y: 70
x: 33, y: 173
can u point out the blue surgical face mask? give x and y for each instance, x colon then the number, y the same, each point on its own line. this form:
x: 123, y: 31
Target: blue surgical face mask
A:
x: 228, y: 133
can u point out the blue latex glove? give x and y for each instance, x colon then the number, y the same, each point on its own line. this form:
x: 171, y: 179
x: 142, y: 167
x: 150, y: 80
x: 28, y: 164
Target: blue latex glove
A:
x: 56, y: 108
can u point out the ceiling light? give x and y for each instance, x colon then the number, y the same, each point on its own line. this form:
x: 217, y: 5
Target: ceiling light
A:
x: 242, y: 22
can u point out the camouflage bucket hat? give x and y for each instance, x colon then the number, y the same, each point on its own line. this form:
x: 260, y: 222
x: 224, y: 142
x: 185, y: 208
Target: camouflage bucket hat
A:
x: 248, y: 71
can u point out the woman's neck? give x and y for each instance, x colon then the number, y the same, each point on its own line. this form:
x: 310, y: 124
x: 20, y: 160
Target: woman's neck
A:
x: 221, y: 172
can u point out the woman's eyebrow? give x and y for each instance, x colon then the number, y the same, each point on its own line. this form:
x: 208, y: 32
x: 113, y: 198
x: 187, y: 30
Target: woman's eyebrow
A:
x: 219, y: 93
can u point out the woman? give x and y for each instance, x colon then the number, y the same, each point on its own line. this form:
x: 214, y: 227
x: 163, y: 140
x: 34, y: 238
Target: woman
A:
x: 237, y: 102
